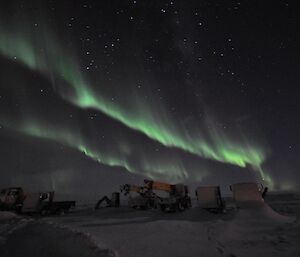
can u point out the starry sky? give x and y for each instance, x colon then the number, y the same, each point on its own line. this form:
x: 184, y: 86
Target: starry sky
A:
x: 94, y: 94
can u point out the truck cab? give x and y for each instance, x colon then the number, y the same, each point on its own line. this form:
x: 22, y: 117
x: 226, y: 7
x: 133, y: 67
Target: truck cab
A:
x: 11, y: 198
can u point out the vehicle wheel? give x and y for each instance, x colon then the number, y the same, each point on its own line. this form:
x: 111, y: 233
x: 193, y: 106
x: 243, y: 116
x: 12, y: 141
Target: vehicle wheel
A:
x: 180, y: 207
x: 149, y: 205
x: 163, y: 208
x: 60, y: 211
x: 43, y: 212
x: 173, y: 207
x: 19, y: 209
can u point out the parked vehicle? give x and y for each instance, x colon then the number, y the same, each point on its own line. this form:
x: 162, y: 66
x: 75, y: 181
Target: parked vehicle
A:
x: 11, y: 199
x: 113, y: 202
x: 146, y: 197
x: 15, y: 199
x: 177, y: 199
x: 139, y: 197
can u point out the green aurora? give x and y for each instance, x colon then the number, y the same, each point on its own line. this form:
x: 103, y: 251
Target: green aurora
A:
x: 44, y: 54
x: 171, y: 169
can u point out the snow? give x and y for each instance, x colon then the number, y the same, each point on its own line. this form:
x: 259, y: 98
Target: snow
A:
x: 124, y: 232
x: 27, y: 237
x: 5, y: 215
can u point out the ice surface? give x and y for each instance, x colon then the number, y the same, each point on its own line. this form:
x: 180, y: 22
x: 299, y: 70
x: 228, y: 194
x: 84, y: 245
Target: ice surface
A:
x: 259, y: 232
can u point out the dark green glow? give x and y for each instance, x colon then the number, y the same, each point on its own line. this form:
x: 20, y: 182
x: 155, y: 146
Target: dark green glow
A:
x: 156, y: 124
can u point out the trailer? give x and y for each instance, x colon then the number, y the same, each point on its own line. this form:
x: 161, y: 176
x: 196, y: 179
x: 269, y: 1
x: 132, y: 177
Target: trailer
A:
x: 209, y: 198
x: 248, y: 194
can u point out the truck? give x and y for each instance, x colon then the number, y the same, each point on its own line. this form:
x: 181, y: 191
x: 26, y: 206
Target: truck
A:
x: 16, y: 199
x: 139, y: 196
x: 148, y: 197
x: 177, y: 199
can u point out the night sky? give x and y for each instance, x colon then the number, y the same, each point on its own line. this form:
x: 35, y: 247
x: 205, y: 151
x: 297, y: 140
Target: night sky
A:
x: 94, y: 94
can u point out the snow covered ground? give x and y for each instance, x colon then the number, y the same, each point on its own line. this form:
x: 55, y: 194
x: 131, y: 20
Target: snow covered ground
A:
x: 124, y: 232
x: 26, y: 237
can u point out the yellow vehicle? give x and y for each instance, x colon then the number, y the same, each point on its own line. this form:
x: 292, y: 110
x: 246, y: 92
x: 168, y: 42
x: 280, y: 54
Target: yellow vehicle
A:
x: 177, y: 199
x: 139, y: 197
x: 127, y: 188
